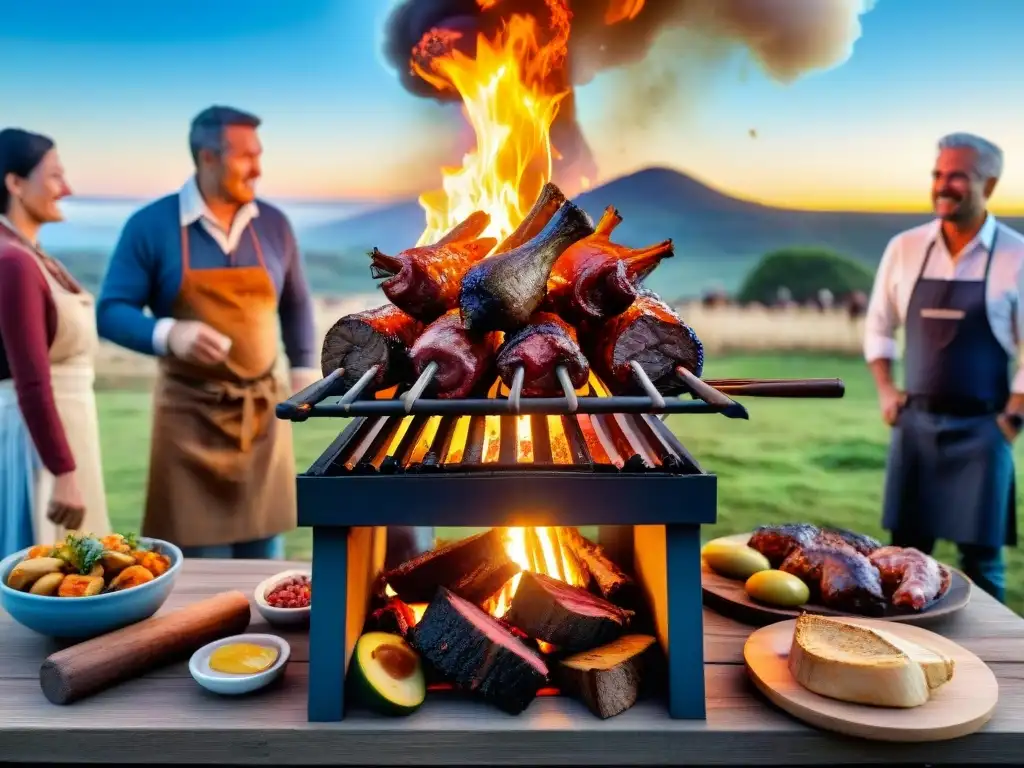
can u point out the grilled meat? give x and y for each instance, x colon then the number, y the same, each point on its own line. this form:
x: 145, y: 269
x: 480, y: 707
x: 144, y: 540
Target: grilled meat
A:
x: 776, y: 542
x: 380, y: 337
x: 594, y: 279
x: 651, y: 333
x: 842, y: 578
x: 465, y: 360
x: 502, y: 292
x: 544, y: 209
x: 424, y: 281
x: 539, y: 349
x: 910, y: 577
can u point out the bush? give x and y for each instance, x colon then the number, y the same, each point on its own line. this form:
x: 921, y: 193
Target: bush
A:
x: 804, y: 271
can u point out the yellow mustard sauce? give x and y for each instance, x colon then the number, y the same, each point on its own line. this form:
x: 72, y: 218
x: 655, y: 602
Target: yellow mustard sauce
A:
x: 242, y: 658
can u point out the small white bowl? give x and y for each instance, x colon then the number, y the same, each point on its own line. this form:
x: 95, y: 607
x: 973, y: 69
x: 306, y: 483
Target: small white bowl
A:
x: 280, y: 616
x: 235, y: 685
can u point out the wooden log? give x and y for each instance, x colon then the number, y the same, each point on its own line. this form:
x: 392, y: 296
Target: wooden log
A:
x: 473, y: 650
x: 97, y: 664
x: 483, y: 582
x: 611, y: 582
x: 417, y: 580
x: 608, y: 679
x: 568, y: 617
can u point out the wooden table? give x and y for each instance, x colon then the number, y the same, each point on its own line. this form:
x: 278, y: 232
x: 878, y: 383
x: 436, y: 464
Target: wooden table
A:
x: 166, y: 718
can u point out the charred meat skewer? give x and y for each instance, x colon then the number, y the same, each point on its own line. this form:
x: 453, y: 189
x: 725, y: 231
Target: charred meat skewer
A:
x: 540, y: 348
x: 595, y: 278
x: 547, y: 205
x: 650, y: 332
x: 502, y: 292
x: 464, y: 359
x: 424, y: 281
x: 380, y: 337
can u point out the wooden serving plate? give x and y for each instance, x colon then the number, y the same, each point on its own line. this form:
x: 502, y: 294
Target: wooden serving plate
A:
x: 728, y: 597
x: 961, y: 706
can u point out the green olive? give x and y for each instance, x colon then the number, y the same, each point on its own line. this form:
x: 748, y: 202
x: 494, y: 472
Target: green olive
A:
x: 734, y: 561
x: 778, y: 588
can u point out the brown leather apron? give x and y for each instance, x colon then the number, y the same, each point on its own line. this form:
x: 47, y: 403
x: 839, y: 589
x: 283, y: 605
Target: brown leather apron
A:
x: 222, y: 468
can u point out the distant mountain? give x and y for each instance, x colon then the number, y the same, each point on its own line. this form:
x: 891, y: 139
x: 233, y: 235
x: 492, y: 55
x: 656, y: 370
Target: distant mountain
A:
x: 717, y: 237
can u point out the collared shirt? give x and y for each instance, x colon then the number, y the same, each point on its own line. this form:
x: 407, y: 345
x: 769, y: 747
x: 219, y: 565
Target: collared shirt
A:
x: 193, y: 208
x: 901, y: 265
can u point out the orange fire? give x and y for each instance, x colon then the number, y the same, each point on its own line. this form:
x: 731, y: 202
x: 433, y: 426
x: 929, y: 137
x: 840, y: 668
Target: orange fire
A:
x: 510, y: 92
x: 510, y: 99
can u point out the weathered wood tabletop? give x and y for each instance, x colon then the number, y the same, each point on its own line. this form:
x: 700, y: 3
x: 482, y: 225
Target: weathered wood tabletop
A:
x: 167, y: 718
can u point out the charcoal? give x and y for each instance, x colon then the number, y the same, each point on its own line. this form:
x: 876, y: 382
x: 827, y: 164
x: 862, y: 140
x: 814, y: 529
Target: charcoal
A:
x: 417, y: 580
x: 395, y: 617
x: 568, y: 617
x: 479, y: 655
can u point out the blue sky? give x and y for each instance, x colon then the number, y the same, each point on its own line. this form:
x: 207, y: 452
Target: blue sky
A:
x: 116, y: 83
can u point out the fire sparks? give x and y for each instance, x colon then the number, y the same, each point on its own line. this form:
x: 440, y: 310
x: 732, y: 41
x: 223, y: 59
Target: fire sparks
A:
x: 510, y: 96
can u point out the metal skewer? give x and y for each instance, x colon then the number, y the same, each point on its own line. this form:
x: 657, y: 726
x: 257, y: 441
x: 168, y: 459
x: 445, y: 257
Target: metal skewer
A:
x: 349, y: 397
x: 418, y: 388
x: 712, y: 396
x: 657, y: 400
x: 570, y: 392
x: 516, y: 390
x: 302, y: 402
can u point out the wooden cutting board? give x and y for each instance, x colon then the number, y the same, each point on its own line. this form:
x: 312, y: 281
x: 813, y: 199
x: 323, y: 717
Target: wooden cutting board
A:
x: 961, y: 706
x: 729, y: 598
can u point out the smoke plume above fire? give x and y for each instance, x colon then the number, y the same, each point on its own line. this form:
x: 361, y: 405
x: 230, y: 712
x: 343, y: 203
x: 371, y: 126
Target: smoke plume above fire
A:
x: 787, y: 38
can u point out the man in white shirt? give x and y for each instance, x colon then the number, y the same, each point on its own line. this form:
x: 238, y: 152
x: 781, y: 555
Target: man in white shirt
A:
x: 954, y: 285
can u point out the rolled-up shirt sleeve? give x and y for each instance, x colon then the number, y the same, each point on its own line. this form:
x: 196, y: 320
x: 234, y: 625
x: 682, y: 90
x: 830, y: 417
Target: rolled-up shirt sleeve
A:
x: 1017, y: 386
x: 882, y: 318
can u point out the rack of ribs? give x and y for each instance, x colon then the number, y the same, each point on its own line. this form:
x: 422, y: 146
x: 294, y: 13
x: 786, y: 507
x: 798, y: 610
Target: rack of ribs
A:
x: 777, y: 542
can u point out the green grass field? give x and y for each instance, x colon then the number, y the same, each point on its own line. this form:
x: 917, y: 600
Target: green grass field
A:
x: 810, y: 460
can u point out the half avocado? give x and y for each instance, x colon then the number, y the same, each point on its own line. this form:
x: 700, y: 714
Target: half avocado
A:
x: 387, y: 674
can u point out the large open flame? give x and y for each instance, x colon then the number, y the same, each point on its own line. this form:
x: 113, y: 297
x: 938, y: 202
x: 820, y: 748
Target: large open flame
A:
x: 510, y: 92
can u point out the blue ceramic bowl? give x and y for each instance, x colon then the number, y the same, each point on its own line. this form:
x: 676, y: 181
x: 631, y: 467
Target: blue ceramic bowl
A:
x: 80, y: 618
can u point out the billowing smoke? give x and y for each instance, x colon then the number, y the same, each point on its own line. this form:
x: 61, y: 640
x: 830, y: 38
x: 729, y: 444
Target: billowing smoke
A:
x: 786, y: 37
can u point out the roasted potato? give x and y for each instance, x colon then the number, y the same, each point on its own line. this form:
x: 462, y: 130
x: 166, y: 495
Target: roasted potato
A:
x: 41, y: 550
x: 74, y: 585
x: 96, y: 570
x: 47, y: 585
x: 114, y: 562
x: 131, y: 576
x: 154, y: 562
x: 25, y: 573
x: 115, y: 542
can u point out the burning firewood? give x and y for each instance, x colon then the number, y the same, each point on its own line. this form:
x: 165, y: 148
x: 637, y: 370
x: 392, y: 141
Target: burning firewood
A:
x: 651, y: 333
x: 478, y: 654
x: 596, y: 279
x: 610, y: 580
x: 395, y: 618
x: 501, y: 292
x: 469, y: 564
x: 484, y: 581
x: 608, y: 679
x: 462, y: 361
x: 568, y: 617
x: 376, y: 337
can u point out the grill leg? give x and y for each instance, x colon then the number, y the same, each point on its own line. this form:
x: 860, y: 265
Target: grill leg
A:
x: 685, y: 623
x: 327, y: 625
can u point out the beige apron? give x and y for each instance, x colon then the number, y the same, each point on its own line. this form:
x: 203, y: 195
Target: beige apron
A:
x: 72, y: 374
x: 222, y: 468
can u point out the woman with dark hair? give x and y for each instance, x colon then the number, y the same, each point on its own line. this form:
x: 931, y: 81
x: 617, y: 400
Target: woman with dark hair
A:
x: 51, y: 480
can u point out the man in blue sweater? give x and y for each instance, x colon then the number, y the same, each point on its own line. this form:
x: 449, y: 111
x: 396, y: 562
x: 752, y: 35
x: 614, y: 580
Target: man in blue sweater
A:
x: 220, y: 272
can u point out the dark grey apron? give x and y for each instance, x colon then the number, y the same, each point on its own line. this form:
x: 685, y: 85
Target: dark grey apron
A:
x: 950, y: 472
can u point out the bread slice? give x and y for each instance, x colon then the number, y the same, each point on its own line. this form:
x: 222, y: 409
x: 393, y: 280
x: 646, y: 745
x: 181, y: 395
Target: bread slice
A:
x: 857, y: 664
x: 937, y: 667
